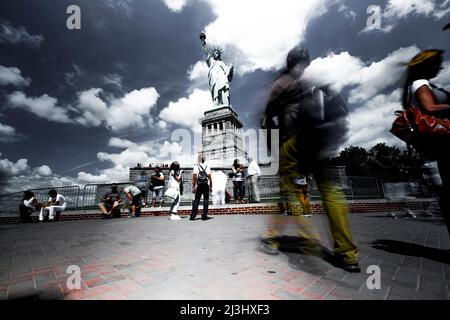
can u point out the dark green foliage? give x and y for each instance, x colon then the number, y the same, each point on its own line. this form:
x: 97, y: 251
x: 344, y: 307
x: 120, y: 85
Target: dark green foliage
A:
x: 389, y: 163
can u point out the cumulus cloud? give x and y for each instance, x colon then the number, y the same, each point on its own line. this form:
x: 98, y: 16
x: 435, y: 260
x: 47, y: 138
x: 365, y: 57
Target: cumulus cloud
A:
x: 12, y: 76
x: 44, y: 171
x: 396, y: 10
x: 162, y: 124
x: 263, y: 36
x: 187, y: 111
x: 443, y: 79
x: 367, y: 79
x: 175, y: 5
x: 116, y: 174
x: 368, y: 83
x: 14, y: 168
x: 139, y: 152
x: 131, y: 153
x: 131, y: 110
x: 92, y: 107
x: 43, y: 106
x: 370, y: 124
x: 10, y: 34
x: 198, y: 71
x: 7, y: 133
x: 17, y: 176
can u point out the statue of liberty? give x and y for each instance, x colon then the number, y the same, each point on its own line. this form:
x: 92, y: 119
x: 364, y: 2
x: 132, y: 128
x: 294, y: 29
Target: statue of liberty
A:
x: 219, y: 75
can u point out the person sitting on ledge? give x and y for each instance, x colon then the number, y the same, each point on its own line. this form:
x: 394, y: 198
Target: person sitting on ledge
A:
x: 133, y: 195
x: 110, y: 206
x: 28, y: 205
x: 55, y: 205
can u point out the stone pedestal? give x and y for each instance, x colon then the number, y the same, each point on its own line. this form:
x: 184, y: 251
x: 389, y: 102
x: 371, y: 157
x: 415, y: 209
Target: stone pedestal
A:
x: 221, y: 135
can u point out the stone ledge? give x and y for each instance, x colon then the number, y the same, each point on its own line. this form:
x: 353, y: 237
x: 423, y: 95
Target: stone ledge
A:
x: 354, y: 206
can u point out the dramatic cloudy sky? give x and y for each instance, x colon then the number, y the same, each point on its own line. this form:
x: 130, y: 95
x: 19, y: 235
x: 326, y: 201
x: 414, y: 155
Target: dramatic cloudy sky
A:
x: 82, y: 106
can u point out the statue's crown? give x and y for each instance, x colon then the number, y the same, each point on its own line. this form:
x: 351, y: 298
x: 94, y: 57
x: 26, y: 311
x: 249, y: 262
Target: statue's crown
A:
x: 218, y: 49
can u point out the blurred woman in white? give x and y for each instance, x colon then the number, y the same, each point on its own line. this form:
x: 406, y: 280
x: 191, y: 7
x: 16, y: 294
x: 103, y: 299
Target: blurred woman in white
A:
x: 173, y: 191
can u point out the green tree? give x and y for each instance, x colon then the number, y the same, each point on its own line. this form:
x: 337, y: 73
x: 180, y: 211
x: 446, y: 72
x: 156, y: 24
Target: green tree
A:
x: 354, y: 159
x: 383, y: 161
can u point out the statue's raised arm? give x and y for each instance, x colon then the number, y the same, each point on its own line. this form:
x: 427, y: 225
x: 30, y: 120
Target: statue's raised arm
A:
x: 219, y: 74
x: 205, y: 48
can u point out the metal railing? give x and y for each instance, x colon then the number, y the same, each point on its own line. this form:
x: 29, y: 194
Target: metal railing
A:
x: 93, y: 193
x: 9, y: 203
x: 354, y: 188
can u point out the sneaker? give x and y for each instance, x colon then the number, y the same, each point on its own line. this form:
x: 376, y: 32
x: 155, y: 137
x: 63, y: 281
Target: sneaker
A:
x: 175, y: 217
x: 410, y: 214
x: 131, y: 216
x: 269, y: 246
x: 391, y: 215
x: 286, y: 213
x: 350, y: 267
x: 306, y: 215
x: 339, y: 263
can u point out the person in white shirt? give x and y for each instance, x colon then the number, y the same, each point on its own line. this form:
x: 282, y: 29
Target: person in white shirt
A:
x: 220, y: 185
x: 174, y: 190
x: 201, y: 186
x: 420, y: 92
x: 253, y: 174
x: 28, y: 205
x: 133, y: 195
x: 55, y: 205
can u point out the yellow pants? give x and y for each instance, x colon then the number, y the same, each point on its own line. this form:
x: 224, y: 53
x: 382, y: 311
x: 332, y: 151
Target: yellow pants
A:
x: 333, y: 200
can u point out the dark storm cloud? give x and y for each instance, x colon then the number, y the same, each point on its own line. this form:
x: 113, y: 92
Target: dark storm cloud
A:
x: 141, y: 43
x: 11, y: 34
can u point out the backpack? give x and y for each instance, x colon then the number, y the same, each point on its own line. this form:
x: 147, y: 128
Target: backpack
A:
x: 202, y: 176
x: 322, y: 121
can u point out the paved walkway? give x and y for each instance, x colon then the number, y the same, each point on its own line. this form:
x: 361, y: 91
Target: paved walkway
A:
x: 155, y: 258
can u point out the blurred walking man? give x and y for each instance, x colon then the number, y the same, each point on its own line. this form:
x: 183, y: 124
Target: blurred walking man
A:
x: 313, y: 123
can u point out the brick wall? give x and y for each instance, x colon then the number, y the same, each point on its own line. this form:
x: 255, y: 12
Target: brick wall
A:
x: 355, y: 207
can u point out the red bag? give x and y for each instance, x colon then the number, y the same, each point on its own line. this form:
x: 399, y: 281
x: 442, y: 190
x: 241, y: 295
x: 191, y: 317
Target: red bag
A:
x: 227, y: 196
x: 421, y: 130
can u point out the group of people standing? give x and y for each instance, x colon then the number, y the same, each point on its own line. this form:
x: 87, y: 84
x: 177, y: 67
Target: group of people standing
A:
x: 202, y: 186
x: 240, y: 176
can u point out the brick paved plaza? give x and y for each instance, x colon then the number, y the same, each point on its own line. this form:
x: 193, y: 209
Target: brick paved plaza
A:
x: 155, y: 258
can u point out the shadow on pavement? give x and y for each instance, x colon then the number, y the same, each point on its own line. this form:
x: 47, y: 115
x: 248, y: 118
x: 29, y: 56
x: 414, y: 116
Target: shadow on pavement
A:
x: 411, y: 249
x: 436, y: 219
x: 41, y: 295
x: 301, y: 260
